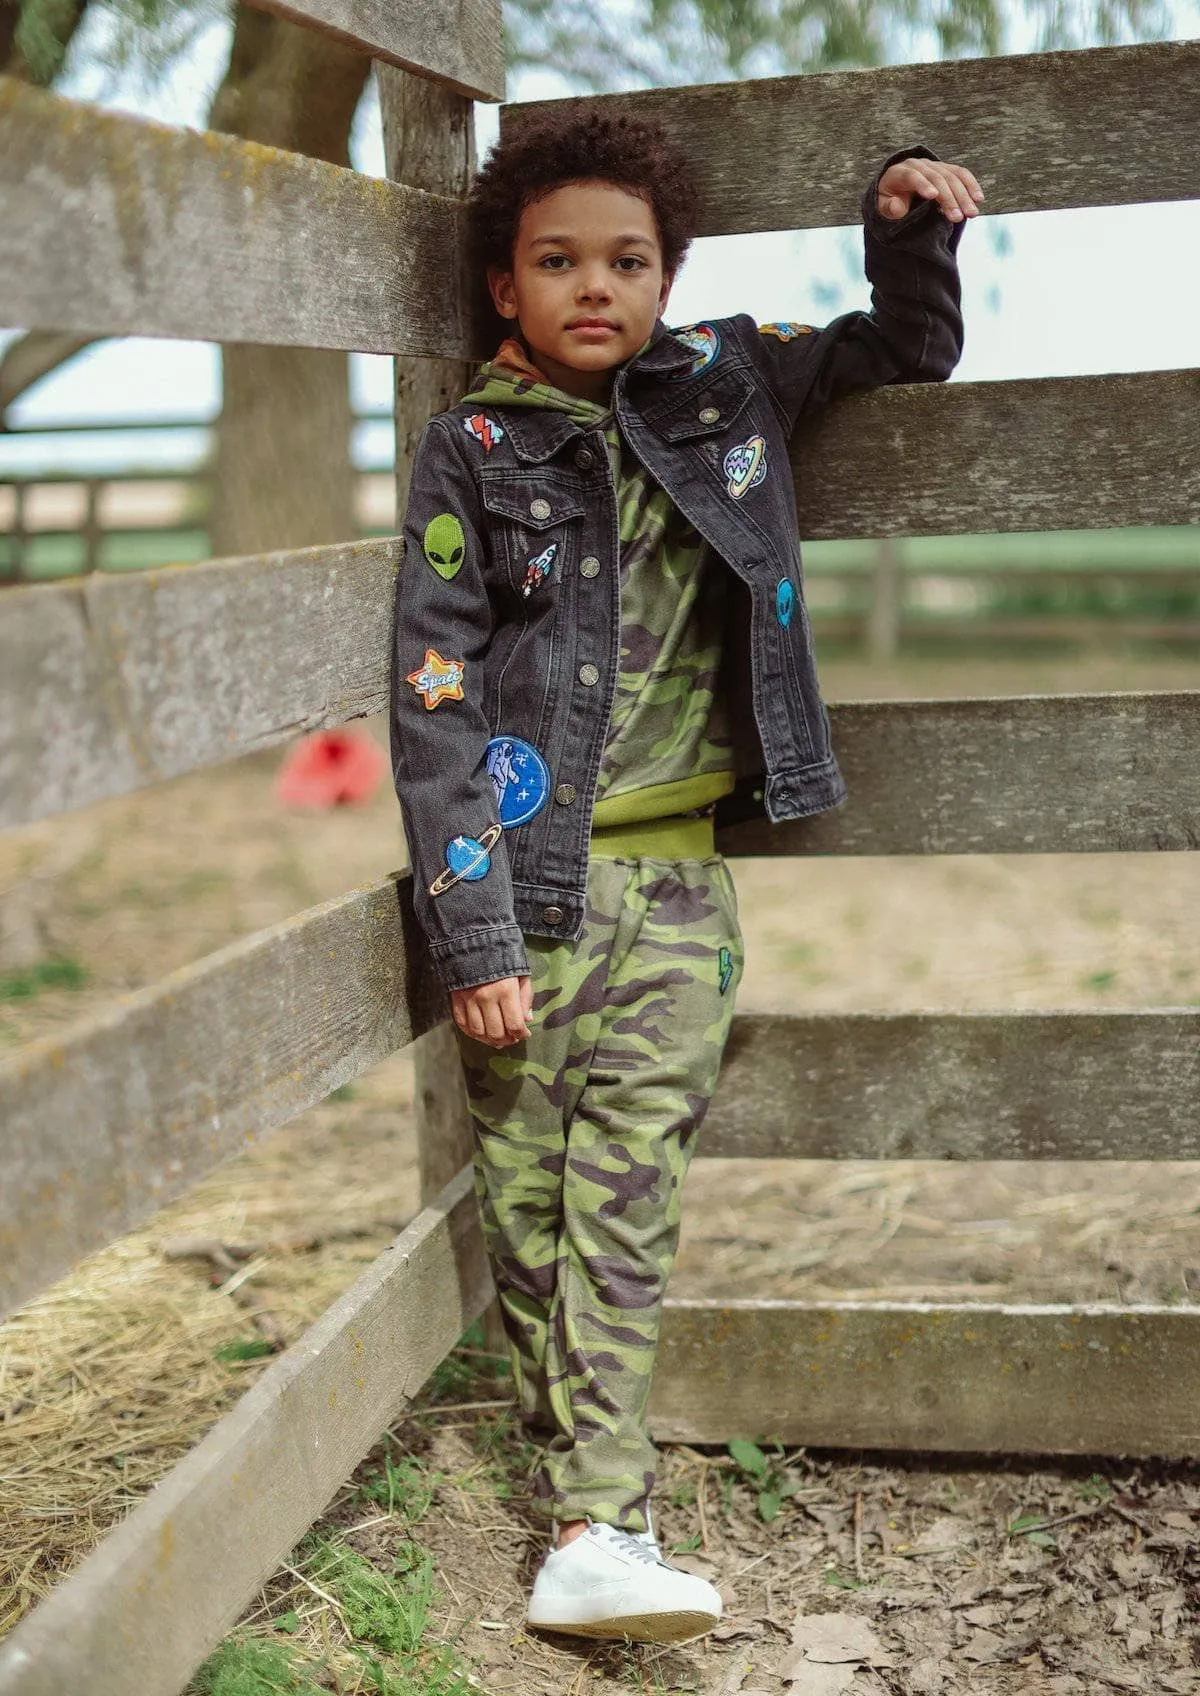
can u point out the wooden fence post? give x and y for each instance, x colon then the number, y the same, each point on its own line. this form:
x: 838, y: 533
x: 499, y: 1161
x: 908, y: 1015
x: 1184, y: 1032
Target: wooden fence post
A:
x: 883, y: 616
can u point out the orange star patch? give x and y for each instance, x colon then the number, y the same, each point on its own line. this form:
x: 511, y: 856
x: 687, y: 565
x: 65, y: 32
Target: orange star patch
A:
x: 438, y: 679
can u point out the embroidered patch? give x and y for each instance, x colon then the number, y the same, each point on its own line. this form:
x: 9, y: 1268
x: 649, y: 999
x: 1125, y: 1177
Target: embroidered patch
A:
x: 724, y: 968
x: 703, y: 341
x: 520, y: 777
x: 438, y: 679
x: 786, y: 332
x: 445, y: 545
x: 785, y: 600
x: 468, y: 858
x: 745, y: 466
x: 485, y: 430
x: 539, y: 569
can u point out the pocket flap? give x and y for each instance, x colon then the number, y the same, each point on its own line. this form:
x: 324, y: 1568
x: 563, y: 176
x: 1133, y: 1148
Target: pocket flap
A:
x: 706, y: 409
x: 535, y: 501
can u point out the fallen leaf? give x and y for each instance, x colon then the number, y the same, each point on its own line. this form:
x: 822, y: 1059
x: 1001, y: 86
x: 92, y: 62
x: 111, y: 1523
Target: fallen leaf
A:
x: 815, y: 1678
x: 833, y: 1638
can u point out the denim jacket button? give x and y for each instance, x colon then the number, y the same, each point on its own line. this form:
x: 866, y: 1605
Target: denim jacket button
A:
x: 539, y: 508
x: 589, y: 674
x: 552, y: 915
x: 565, y: 794
x: 590, y: 566
x: 709, y: 414
x: 585, y: 459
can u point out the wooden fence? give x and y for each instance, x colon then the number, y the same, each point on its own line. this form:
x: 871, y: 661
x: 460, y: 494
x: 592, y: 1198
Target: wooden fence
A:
x: 110, y: 683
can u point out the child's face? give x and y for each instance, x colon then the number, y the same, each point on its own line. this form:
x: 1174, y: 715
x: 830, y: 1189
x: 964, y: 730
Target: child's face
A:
x: 586, y: 283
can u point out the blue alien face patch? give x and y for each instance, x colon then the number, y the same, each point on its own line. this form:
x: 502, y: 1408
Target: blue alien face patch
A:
x: 704, y: 342
x: 785, y: 601
x: 745, y: 466
x: 520, y: 777
x: 468, y: 858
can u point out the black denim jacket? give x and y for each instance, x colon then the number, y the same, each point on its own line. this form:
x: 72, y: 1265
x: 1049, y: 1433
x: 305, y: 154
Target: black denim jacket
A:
x: 508, y: 609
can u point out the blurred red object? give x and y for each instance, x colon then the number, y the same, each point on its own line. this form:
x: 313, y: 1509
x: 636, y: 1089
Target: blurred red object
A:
x: 331, y: 767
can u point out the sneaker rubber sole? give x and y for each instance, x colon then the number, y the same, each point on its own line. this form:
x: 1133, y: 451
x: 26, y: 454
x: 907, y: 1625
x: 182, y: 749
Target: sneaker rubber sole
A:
x: 639, y: 1628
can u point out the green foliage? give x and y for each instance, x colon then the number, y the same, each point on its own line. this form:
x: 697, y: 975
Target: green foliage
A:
x: 767, y: 1476
x: 390, y: 1616
x: 145, y: 36
x: 1031, y: 1526
x: 250, y: 1667
x: 56, y: 972
x: 242, y: 1348
x: 661, y: 42
x: 401, y: 1487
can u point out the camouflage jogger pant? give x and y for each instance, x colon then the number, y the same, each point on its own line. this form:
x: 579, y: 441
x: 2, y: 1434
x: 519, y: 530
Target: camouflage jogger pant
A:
x: 583, y: 1134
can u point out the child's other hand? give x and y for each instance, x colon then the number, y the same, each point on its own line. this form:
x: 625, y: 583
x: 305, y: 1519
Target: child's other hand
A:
x: 495, y: 1013
x: 952, y: 186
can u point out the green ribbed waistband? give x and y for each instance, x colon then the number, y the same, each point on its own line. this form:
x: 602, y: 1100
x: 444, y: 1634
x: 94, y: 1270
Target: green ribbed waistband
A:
x: 678, y: 838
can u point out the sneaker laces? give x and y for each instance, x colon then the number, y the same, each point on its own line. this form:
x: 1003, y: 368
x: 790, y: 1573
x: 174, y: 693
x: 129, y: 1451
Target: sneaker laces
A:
x: 633, y: 1543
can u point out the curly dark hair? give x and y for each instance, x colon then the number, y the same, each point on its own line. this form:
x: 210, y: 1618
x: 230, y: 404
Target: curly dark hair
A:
x: 570, y: 146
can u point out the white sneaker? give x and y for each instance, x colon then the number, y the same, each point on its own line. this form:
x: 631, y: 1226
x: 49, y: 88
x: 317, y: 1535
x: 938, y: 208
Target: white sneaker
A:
x: 609, y: 1583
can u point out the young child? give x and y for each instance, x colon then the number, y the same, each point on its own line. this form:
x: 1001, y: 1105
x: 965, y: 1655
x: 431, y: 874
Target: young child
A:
x: 601, y: 633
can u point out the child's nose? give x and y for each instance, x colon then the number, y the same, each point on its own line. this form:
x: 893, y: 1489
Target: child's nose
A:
x: 594, y: 283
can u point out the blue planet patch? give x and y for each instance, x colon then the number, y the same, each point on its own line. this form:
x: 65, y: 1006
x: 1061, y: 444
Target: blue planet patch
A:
x: 467, y: 860
x: 785, y: 601
x: 520, y: 778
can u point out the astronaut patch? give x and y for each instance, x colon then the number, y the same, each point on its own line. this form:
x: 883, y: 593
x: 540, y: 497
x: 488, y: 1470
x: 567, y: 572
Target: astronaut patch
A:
x: 520, y: 778
x: 703, y: 341
x: 745, y: 466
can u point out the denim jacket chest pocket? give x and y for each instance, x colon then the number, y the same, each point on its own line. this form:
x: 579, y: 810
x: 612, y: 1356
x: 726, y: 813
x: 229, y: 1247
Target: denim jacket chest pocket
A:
x: 703, y: 409
x: 536, y: 527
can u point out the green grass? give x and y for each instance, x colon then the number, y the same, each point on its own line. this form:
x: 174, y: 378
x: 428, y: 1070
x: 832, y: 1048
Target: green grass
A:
x: 242, y: 1348
x: 55, y: 972
x: 251, y: 1667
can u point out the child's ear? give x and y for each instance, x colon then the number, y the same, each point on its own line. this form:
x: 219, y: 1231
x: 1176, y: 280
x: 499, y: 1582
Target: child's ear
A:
x: 668, y: 284
x: 500, y: 286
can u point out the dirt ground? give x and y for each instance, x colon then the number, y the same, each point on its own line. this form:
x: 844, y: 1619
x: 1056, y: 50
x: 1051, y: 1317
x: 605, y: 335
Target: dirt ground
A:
x: 917, y: 1549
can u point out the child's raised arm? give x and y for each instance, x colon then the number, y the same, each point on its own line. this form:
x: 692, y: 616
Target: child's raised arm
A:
x: 914, y: 214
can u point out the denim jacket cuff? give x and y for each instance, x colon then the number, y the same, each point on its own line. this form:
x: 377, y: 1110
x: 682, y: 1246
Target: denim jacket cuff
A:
x: 888, y: 229
x: 480, y: 956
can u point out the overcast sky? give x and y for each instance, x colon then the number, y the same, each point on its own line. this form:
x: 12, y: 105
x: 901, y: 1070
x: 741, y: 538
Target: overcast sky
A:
x: 1107, y: 289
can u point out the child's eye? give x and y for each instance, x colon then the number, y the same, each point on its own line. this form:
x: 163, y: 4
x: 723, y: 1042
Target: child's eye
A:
x: 554, y: 262
x: 631, y: 262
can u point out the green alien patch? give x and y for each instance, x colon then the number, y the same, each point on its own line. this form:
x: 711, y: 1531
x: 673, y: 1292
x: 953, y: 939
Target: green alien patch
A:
x: 445, y: 545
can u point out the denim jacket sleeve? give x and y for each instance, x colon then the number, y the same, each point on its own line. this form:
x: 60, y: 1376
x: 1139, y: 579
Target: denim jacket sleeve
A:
x: 913, y: 333
x: 439, y: 730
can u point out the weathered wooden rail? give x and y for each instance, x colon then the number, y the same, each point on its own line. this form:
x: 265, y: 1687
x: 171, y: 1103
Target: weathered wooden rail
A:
x: 106, y: 685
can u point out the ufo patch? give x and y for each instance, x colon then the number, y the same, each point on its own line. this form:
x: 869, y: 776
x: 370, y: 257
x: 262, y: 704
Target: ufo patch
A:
x: 520, y: 778
x: 745, y: 466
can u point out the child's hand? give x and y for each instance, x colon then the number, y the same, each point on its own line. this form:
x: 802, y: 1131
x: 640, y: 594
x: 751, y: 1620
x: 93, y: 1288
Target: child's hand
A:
x: 495, y: 1013
x: 952, y: 186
